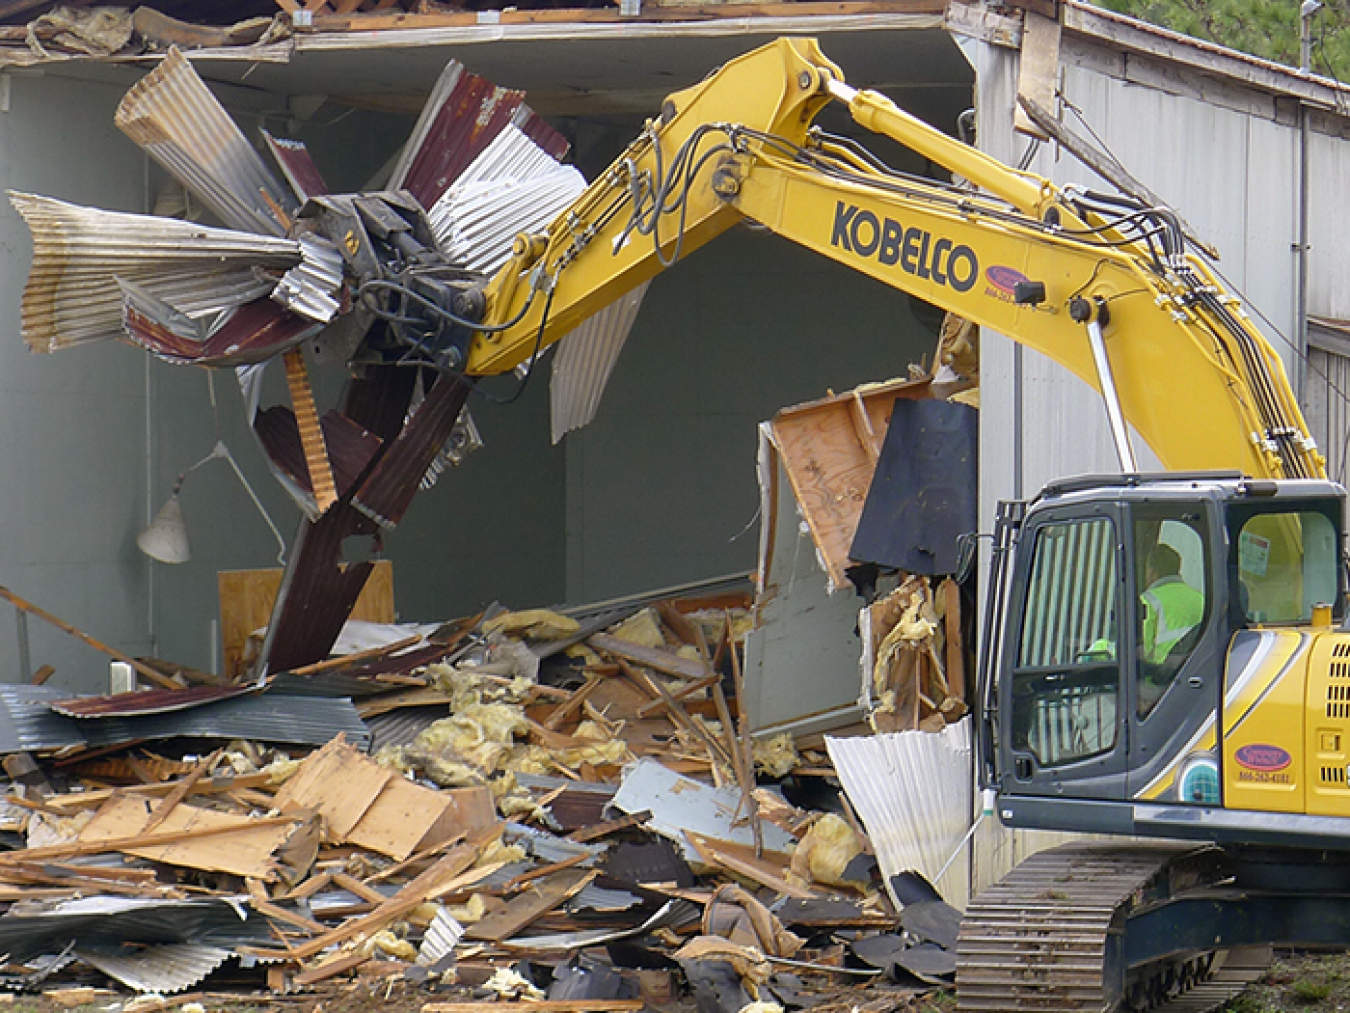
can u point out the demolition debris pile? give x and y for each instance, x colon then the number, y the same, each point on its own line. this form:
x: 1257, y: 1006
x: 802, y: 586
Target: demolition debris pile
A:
x: 527, y: 806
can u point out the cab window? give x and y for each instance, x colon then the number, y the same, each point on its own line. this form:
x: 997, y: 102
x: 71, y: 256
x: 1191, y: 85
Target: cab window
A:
x: 1066, y: 681
x: 1286, y: 564
x: 1173, y: 603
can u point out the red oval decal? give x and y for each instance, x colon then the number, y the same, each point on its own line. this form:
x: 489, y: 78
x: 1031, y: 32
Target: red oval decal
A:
x: 1004, y: 278
x: 1258, y: 756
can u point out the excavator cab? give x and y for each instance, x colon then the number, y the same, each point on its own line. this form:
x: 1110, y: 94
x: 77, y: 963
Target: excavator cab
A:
x: 1137, y: 611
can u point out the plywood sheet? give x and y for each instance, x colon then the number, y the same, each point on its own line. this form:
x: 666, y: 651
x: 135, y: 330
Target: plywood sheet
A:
x: 249, y: 850
x: 339, y: 784
x: 247, y: 597
x: 829, y: 449
x: 406, y: 817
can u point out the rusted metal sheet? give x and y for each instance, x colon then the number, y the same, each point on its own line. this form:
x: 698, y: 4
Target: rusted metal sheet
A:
x: 463, y: 114
x: 297, y: 166
x: 386, y: 495
x: 350, y: 448
x: 79, y: 254
x: 253, y: 332
x: 174, y: 118
x: 150, y: 701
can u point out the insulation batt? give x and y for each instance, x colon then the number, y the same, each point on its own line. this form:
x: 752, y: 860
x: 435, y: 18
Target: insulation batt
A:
x: 776, y: 756
x: 642, y: 628
x: 533, y: 624
x: 826, y: 850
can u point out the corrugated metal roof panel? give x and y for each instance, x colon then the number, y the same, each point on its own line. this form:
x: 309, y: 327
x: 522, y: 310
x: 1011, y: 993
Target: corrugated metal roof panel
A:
x: 297, y: 166
x: 462, y: 116
x: 308, y: 288
x: 27, y: 724
x: 585, y: 359
x: 241, y: 336
x: 912, y: 791
x: 150, y: 701
x: 72, y: 295
x: 267, y: 717
x: 163, y: 969
x: 440, y: 938
x: 173, y: 117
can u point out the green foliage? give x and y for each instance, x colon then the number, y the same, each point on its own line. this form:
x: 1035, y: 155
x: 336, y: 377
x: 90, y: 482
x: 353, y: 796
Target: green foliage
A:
x: 1264, y: 28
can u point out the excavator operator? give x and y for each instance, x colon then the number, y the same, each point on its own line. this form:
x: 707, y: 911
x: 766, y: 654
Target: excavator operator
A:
x: 1171, y: 608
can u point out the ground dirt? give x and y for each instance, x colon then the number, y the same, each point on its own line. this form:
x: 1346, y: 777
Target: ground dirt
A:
x: 1299, y: 981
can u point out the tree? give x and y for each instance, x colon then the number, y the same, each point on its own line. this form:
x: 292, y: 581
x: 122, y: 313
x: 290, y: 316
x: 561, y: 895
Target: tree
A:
x: 1264, y: 28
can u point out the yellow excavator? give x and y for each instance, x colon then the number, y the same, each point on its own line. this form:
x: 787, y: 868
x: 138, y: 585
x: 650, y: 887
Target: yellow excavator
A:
x: 1226, y: 735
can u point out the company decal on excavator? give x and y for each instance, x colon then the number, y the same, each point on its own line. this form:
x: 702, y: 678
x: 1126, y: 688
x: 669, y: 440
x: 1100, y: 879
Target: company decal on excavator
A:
x: 1263, y: 763
x: 1002, y: 282
x: 917, y: 251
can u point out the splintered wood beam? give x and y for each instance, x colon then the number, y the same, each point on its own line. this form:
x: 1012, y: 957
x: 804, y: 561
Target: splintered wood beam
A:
x: 311, y: 433
x: 24, y: 606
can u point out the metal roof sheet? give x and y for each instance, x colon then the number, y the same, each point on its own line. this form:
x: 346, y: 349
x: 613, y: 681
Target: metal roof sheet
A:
x: 163, y: 969
x: 173, y: 117
x: 72, y: 295
x: 150, y: 701
x: 585, y: 359
x: 27, y: 724
x: 912, y: 791
x: 264, y: 717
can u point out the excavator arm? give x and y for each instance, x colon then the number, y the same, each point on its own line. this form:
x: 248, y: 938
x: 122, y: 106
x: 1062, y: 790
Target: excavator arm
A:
x: 1102, y: 285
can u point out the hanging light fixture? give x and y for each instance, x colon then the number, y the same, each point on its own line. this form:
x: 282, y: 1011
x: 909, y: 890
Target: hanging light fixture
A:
x: 166, y: 539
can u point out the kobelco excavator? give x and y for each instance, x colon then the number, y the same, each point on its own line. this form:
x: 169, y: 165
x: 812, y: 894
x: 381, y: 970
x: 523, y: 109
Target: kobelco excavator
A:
x: 1229, y: 732
x: 1165, y: 656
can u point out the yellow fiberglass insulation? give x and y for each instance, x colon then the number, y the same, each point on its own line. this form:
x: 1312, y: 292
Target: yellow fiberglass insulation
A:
x: 826, y: 850
x: 642, y: 629
x: 776, y: 756
x: 480, y: 736
x: 533, y: 624
x: 390, y: 945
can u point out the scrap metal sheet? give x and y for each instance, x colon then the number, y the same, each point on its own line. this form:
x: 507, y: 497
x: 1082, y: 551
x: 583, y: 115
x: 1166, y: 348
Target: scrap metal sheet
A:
x: 79, y: 254
x: 912, y: 791
x: 164, y: 970
x: 265, y: 717
x: 173, y: 117
x: 679, y: 803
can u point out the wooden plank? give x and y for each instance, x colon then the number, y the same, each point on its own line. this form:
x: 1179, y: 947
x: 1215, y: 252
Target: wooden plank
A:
x: 696, y: 12
x: 42, y: 675
x: 339, y: 784
x: 85, y: 638
x: 446, y: 875
x: 369, y: 654
x: 340, y: 964
x: 247, y: 597
x: 569, y: 707
x: 542, y: 1006
x: 1038, y: 70
x: 769, y: 870
x: 180, y: 792
x: 535, y: 902
x: 95, y: 798
x: 684, y: 692
x: 652, y: 657
x: 609, y: 827
x: 192, y: 837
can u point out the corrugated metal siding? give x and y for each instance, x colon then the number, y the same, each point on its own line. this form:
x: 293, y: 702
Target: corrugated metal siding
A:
x: 162, y: 969
x: 585, y: 359
x: 72, y: 295
x: 912, y: 791
x: 174, y: 118
x: 1326, y: 390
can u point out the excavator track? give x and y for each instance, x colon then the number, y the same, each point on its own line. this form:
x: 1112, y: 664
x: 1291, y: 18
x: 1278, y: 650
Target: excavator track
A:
x: 1050, y: 937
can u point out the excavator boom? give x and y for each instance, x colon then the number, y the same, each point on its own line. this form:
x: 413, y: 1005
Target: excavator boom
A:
x: 1101, y: 285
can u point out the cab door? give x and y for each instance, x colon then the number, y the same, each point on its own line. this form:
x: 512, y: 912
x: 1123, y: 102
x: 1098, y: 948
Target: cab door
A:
x: 1062, y: 702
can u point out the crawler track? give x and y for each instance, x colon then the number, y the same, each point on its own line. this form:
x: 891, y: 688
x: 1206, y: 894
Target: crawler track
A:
x: 1051, y: 936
